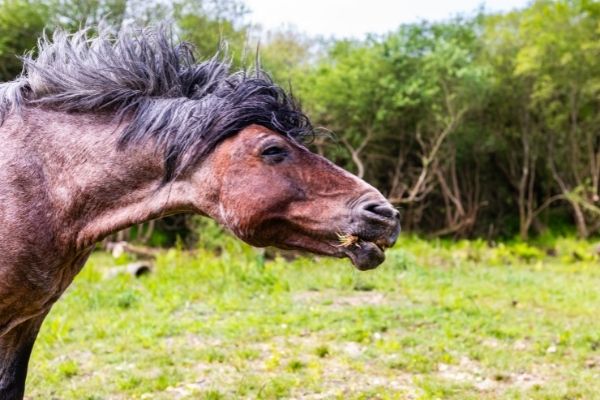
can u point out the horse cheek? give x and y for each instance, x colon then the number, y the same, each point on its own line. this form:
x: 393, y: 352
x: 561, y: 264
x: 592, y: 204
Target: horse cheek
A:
x: 239, y: 207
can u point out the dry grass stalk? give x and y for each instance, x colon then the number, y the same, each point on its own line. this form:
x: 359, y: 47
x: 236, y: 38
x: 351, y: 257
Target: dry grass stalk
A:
x: 347, y: 240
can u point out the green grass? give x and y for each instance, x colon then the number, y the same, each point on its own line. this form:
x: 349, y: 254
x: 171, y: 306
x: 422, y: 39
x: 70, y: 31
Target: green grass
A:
x: 438, y: 320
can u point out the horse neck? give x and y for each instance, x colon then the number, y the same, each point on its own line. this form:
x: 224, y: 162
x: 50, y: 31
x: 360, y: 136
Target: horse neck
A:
x: 95, y: 188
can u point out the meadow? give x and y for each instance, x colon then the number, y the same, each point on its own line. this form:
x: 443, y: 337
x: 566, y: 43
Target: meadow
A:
x: 438, y: 320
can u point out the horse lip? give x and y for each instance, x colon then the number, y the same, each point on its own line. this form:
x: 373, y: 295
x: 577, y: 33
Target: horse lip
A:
x: 365, y: 255
x: 383, y: 244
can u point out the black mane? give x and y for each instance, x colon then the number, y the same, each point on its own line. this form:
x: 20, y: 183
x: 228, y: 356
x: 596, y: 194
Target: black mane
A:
x: 187, y: 107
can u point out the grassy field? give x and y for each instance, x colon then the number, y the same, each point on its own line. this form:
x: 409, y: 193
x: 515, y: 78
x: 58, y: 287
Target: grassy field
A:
x: 438, y: 320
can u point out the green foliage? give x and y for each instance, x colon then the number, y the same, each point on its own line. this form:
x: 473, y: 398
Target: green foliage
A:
x: 68, y: 369
x: 207, y: 233
x: 77, y: 14
x: 322, y: 351
x: 286, y: 55
x: 21, y: 23
x: 210, y: 24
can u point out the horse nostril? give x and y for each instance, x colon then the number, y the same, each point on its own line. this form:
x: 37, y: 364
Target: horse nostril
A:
x: 381, y: 210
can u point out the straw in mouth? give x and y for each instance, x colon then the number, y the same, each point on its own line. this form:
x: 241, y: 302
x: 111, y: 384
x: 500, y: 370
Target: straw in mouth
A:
x: 348, y: 240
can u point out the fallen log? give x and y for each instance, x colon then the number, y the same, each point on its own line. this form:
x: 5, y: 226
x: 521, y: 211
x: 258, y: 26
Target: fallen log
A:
x: 118, y: 248
x: 136, y: 269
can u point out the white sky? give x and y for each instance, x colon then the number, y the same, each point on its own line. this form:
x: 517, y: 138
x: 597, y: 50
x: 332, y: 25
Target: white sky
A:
x: 355, y: 18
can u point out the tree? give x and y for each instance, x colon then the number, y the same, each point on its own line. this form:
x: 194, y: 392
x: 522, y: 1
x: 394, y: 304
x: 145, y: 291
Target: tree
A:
x: 517, y: 135
x: 347, y: 93
x: 21, y: 23
x: 561, y: 57
x: 211, y: 24
x: 76, y: 14
x: 287, y: 54
x: 393, y: 103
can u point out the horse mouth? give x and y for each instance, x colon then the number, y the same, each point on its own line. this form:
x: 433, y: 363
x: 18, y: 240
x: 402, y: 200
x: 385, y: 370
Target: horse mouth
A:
x: 365, y: 255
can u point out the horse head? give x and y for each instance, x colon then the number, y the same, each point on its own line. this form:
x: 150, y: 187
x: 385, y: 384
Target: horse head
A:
x: 270, y: 190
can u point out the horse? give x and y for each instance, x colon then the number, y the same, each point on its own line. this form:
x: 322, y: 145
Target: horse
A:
x: 101, y: 132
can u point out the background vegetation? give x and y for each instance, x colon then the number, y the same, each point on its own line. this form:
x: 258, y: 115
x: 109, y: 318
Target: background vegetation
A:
x: 483, y: 125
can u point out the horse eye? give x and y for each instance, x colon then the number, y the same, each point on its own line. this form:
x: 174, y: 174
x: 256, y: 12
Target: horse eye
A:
x: 273, y: 151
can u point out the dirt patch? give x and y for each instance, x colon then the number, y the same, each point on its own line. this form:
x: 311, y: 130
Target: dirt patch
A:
x: 593, y: 362
x: 342, y: 371
x: 336, y: 300
x: 470, y: 372
x: 211, y: 376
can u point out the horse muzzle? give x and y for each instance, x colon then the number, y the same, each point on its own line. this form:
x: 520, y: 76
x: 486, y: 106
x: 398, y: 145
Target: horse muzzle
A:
x: 375, y: 227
